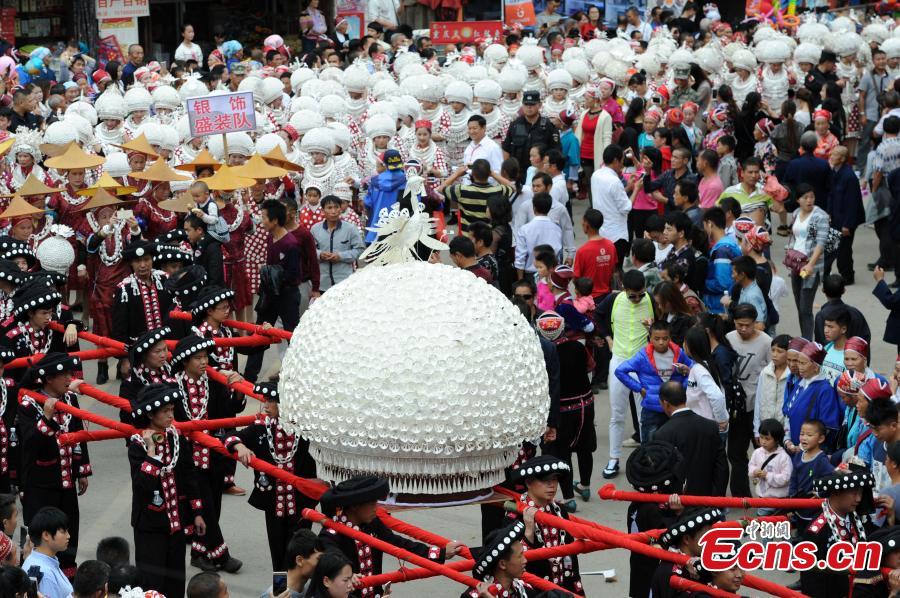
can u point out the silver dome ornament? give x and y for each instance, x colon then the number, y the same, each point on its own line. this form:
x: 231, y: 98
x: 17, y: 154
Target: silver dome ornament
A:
x: 55, y: 253
x: 389, y: 417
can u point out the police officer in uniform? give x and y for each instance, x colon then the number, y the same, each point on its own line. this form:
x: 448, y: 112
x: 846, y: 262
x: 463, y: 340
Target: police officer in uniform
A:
x: 528, y: 130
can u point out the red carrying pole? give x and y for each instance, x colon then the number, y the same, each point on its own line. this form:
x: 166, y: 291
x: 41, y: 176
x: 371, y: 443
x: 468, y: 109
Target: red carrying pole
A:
x: 277, y: 333
x: 70, y: 438
x: 388, y: 548
x: 609, y: 492
x: 87, y: 355
x: 183, y: 427
x: 618, y: 540
x: 100, y: 341
x: 687, y: 585
x: 81, y: 413
x: 422, y: 535
x: 243, y: 387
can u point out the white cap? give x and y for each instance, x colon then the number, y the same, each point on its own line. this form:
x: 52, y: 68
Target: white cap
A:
x: 459, y: 91
x: 270, y: 89
x: 332, y: 73
x: 709, y: 59
x: 427, y: 88
x: 488, y: 91
x: 496, y: 55
x: 844, y: 43
x: 559, y: 79
x: 681, y: 58
x: 238, y: 143
x: 300, y: 76
x: 111, y: 104
x: 386, y: 107
x: 299, y: 103
x: 84, y: 109
x: 385, y: 89
x: 379, y: 125
x: 512, y: 79
x: 744, y: 59
x: 137, y: 99
x: 891, y: 47
x: 476, y: 73
x: 579, y: 69
x: 320, y: 139
x: 773, y: 50
x: 266, y: 143
x: 530, y: 55
x: 407, y: 106
x: 251, y: 84
x: 812, y: 32
x: 573, y: 53
x: 61, y: 132
x: 166, y: 96
x: 875, y: 33
x: 84, y: 128
x: 356, y: 78
x: 191, y: 88
x: 116, y: 164
x: 810, y: 53
x: 341, y: 135
x: 305, y: 120
x: 332, y: 106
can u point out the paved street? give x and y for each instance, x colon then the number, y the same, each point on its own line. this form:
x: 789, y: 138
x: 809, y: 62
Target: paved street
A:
x: 105, y: 509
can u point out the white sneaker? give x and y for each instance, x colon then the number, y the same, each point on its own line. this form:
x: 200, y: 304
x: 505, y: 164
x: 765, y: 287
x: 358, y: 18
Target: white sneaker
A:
x: 630, y: 443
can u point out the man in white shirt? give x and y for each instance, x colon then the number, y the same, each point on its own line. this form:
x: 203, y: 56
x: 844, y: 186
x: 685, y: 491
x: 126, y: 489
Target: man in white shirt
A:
x: 482, y: 146
x: 609, y: 197
x: 383, y: 12
x: 555, y: 165
x: 540, y: 231
x: 524, y: 213
x: 635, y: 24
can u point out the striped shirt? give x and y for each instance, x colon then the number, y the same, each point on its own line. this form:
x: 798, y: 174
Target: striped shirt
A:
x: 473, y: 200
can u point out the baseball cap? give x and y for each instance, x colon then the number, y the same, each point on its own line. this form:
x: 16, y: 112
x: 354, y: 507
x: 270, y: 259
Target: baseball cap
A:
x: 531, y: 97
x: 239, y: 68
x: 392, y: 159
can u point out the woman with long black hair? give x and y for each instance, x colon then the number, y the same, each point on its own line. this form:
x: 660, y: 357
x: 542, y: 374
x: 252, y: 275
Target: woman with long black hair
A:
x: 743, y: 131
x: 704, y: 389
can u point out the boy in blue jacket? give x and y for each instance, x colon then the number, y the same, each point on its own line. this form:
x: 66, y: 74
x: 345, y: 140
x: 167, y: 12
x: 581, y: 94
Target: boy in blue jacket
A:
x: 723, y: 250
x: 571, y: 147
x: 659, y: 362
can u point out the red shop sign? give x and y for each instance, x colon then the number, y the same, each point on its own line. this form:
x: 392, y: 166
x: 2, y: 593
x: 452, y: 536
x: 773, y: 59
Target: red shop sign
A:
x: 451, y: 32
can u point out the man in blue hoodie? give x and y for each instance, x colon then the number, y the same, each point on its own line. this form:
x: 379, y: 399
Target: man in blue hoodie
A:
x: 659, y: 362
x: 384, y: 189
x: 724, y: 249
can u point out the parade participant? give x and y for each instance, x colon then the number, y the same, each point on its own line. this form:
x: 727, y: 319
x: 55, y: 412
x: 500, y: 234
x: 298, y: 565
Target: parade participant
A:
x: 511, y: 82
x: 68, y: 208
x: 429, y: 95
x: 540, y: 475
x: 183, y: 286
x: 53, y: 475
x: 282, y: 503
x: 23, y: 219
x: 26, y: 150
x: 488, y: 93
x: 501, y: 563
x: 848, y: 499
x: 652, y: 467
x: 207, y: 251
x: 137, y: 106
x: 743, y: 81
x: 320, y: 170
x: 426, y: 152
x: 171, y: 259
x: 109, y: 237
x: 874, y: 584
x: 559, y: 83
x: 139, y: 153
x: 165, y: 498
x: 140, y: 302
x: 111, y: 111
x: 153, y: 219
x: 354, y: 503
x: 379, y: 130
x: 682, y: 537
x: 775, y: 78
x: 10, y: 279
x: 202, y: 165
x: 18, y: 252
x: 201, y: 399
x: 458, y: 95
x: 148, y: 357
x: 812, y: 398
x: 35, y: 305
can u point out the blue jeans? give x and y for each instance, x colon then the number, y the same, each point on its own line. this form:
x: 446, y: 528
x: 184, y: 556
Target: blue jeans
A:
x: 650, y: 421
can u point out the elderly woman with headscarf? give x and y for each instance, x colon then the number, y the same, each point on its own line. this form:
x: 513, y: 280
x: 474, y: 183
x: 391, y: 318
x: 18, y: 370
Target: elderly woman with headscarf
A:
x: 37, y: 66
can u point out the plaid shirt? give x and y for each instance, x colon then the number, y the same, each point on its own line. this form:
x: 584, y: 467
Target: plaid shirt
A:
x: 887, y: 156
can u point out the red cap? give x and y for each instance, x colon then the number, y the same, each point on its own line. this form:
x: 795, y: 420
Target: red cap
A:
x: 567, y: 117
x: 858, y: 345
x: 663, y: 91
x: 797, y: 344
x: 100, y: 75
x: 292, y: 132
x: 423, y: 124
x: 875, y: 389
x: 814, y: 352
x: 675, y: 116
x: 562, y: 276
x: 850, y: 382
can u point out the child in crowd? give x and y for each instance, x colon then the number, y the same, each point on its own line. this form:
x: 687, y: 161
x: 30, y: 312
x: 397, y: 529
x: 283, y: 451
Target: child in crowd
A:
x: 727, y: 164
x: 208, y: 211
x: 584, y: 301
x: 770, y: 466
x: 311, y: 213
x: 770, y: 386
x: 654, y: 229
x: 810, y: 463
x: 571, y: 147
x: 544, y: 262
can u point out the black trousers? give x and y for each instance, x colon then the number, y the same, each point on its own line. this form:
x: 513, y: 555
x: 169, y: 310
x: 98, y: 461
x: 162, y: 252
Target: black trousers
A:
x: 159, y: 556
x: 844, y: 258
x: 885, y: 244
x: 288, y: 309
x: 740, y: 435
x: 212, y: 544
x: 279, y: 531
x: 637, y: 222
x: 34, y: 499
x: 622, y: 249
